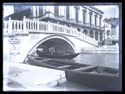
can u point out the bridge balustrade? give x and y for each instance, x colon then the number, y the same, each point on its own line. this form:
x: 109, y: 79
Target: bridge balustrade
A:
x: 17, y: 27
x: 5, y: 27
x: 30, y: 25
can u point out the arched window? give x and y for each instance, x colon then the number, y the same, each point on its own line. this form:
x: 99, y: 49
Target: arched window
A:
x: 96, y: 35
x: 91, y: 34
x: 85, y: 32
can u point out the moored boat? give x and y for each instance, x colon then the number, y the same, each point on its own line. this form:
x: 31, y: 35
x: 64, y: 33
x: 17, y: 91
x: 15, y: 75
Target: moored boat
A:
x: 58, y: 56
x: 94, y: 76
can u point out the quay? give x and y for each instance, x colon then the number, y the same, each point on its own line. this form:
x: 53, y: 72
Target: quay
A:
x: 32, y: 77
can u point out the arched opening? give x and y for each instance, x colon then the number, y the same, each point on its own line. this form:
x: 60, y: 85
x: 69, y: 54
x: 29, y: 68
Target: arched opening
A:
x: 63, y: 44
x: 85, y: 32
x: 96, y: 35
x: 60, y: 46
x: 91, y: 34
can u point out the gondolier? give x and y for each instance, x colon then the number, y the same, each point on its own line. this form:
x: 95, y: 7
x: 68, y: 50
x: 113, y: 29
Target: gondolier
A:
x: 52, y: 50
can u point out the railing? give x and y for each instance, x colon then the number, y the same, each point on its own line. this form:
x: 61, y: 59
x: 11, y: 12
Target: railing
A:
x: 13, y: 27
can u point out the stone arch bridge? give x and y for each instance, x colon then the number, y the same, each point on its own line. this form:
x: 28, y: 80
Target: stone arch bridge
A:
x: 21, y: 38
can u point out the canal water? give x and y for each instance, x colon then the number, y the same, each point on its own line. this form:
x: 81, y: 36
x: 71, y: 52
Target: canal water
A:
x: 99, y: 59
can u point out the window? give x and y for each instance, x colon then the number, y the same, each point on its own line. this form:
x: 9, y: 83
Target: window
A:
x: 85, y: 32
x: 91, y: 34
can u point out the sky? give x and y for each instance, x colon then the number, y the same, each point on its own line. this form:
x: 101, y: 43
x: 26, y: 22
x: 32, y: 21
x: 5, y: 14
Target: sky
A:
x: 109, y: 10
x: 7, y: 10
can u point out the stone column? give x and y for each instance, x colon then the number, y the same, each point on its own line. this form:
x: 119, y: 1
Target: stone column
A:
x: 95, y: 19
x: 34, y: 11
x: 100, y: 19
x: 90, y: 17
x: 76, y: 13
x: 56, y: 10
x: 40, y: 10
x: 37, y: 9
x: 67, y: 12
x: 84, y: 16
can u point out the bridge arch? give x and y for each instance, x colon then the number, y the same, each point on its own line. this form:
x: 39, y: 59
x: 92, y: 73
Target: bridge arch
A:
x: 54, y: 37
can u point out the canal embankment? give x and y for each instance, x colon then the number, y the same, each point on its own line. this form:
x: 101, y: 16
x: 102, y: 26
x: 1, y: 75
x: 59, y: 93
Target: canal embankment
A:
x: 30, y: 77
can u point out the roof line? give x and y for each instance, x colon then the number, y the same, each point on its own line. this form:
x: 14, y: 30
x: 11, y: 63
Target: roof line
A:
x: 96, y: 9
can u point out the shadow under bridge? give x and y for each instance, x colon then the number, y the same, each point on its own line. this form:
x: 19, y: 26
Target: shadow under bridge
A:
x: 56, y: 46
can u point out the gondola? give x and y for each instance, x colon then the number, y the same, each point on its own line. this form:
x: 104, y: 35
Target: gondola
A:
x: 53, y: 63
x: 95, y: 76
x: 58, y: 56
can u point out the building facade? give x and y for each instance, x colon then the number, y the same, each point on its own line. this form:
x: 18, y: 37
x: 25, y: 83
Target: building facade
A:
x: 111, y: 31
x: 85, y: 19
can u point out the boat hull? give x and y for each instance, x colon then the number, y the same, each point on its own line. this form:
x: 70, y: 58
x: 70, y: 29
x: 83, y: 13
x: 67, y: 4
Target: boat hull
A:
x: 94, y: 76
x: 100, y: 81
